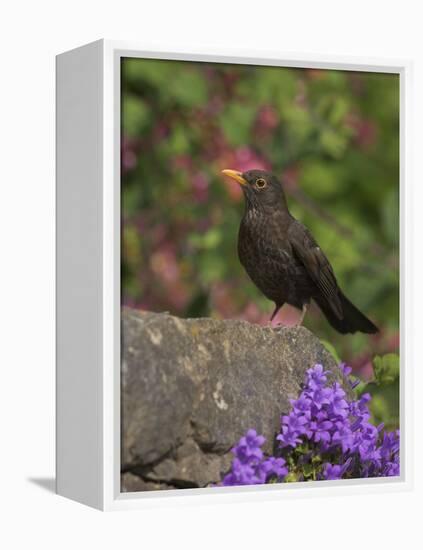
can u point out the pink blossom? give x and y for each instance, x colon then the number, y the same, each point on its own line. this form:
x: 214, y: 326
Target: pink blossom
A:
x: 183, y: 162
x: 267, y: 118
x: 221, y: 297
x: 290, y: 177
x: 365, y: 130
x: 200, y: 187
x: 247, y: 159
x: 128, y: 155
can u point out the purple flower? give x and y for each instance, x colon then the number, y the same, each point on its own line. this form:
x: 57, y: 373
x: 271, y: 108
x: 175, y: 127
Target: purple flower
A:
x: 390, y: 445
x: 320, y: 396
x: 343, y: 436
x: 316, y: 377
x: 249, y: 466
x: 345, y: 369
x: 320, y: 430
x: 294, y: 422
x: 338, y: 404
x: 302, y: 404
x: 249, y: 447
x: 288, y: 438
x: 332, y: 471
x: 335, y: 471
x: 274, y: 467
x: 391, y: 469
x: 359, y: 408
x: 325, y: 433
x: 253, y: 440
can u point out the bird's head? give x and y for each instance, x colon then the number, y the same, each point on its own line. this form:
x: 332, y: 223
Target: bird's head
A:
x: 260, y: 188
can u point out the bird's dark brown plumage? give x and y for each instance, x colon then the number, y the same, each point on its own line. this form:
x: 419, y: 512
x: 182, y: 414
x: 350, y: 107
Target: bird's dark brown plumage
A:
x: 282, y: 258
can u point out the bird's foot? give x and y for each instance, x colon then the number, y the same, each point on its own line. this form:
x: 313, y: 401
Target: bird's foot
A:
x: 303, y: 314
x: 276, y: 324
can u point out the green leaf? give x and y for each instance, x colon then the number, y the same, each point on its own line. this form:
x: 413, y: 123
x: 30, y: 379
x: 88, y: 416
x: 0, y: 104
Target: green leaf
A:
x: 135, y: 115
x: 390, y: 216
x: 206, y: 241
x: 386, y: 368
x: 338, y: 111
x: 291, y: 477
x: 237, y: 121
x: 188, y: 88
x: 211, y: 267
x: 152, y: 71
x: 178, y: 142
x: 308, y: 470
x: 319, y: 179
x: 298, y: 122
x: 333, y: 142
x: 331, y: 349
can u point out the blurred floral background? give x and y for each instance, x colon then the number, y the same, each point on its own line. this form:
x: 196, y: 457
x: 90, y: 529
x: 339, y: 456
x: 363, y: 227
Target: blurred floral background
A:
x: 333, y: 139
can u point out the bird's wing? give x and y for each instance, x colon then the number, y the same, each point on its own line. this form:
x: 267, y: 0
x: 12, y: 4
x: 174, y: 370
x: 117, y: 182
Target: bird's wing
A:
x: 317, y: 265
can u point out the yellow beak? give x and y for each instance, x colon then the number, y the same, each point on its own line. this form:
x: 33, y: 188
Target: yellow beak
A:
x: 235, y: 175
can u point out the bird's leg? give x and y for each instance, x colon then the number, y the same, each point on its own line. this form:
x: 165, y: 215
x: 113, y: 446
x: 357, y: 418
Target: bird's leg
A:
x: 303, y: 314
x: 275, y: 312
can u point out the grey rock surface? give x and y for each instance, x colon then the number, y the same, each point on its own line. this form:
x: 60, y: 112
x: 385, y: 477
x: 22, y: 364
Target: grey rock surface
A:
x: 192, y: 387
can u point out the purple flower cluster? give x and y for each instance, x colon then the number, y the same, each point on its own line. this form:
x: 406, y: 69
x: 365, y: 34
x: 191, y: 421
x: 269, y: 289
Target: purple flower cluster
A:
x: 323, y: 417
x: 325, y: 433
x: 250, y: 467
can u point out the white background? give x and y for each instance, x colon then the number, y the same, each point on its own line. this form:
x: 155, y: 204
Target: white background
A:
x: 32, y: 32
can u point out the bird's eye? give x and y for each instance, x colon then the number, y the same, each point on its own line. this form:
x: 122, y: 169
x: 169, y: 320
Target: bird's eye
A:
x: 261, y: 183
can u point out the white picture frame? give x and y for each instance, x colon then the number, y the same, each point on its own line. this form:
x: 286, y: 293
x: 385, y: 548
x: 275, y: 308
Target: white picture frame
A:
x: 88, y: 279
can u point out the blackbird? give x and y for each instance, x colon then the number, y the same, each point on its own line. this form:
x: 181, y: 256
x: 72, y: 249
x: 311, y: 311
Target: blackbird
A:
x: 282, y: 258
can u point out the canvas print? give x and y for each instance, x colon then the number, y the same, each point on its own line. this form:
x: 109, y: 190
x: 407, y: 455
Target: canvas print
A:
x: 259, y: 275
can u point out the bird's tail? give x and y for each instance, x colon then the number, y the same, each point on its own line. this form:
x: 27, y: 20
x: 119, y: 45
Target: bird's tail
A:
x: 352, y: 321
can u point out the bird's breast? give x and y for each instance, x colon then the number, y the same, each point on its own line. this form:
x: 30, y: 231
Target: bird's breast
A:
x: 260, y: 239
x: 267, y: 256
